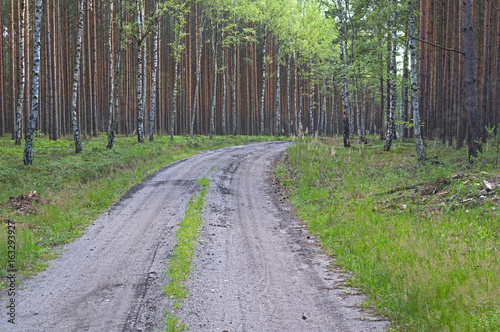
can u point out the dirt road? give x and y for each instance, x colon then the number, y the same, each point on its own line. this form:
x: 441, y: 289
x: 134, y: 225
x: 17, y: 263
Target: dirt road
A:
x: 255, y: 269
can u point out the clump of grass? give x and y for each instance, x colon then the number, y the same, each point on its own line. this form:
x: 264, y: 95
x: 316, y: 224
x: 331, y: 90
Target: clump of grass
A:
x: 179, y: 266
x: 425, y: 256
x: 79, y: 186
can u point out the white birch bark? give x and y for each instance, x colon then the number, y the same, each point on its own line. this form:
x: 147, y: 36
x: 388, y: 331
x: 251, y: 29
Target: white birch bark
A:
x: 414, y: 86
x: 224, y: 92
x: 35, y: 87
x: 311, y: 100
x: 277, y: 130
x: 392, y: 83
x: 263, y: 83
x: 20, y: 99
x: 214, y: 86
x: 345, y: 89
x: 140, y: 103
x: 76, y: 77
x: 111, y: 71
x: 288, y: 110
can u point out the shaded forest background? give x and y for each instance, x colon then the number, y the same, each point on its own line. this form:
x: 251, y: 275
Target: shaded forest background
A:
x: 265, y: 67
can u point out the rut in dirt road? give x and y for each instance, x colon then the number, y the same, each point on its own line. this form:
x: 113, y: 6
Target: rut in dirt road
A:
x: 254, y: 269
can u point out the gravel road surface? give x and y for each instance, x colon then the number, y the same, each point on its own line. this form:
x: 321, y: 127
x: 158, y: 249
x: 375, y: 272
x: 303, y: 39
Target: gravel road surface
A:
x: 256, y: 267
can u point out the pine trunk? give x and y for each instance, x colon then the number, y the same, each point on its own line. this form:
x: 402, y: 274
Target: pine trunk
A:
x: 2, y: 83
x: 28, y: 153
x: 470, y: 81
x: 153, y: 79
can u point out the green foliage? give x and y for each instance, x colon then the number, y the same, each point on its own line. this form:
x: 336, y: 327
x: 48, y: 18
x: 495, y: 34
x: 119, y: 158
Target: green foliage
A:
x: 420, y: 240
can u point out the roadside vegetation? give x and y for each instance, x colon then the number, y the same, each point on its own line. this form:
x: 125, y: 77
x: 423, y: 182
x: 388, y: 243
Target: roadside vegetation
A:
x: 53, y: 202
x: 179, y: 266
x: 422, y: 240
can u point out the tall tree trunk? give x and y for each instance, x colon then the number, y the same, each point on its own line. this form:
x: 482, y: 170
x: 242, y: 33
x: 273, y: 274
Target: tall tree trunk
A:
x: 363, y: 117
x: 94, y: 73
x: 496, y: 111
x: 140, y: 105
x: 111, y: 74
x: 198, y: 71
x: 76, y: 77
x: 214, y: 86
x: 288, y: 125
x: 277, y: 130
x: 390, y: 125
x: 153, y: 78
x: 295, y: 115
x: 414, y: 85
x: 311, y: 100
x: 345, y: 90
x: 28, y: 154
x: 224, y: 86
x: 263, y: 83
x: 487, y: 119
x: 470, y: 81
x: 323, y: 111
x: 20, y: 100
x: 13, y: 82
x: 2, y: 83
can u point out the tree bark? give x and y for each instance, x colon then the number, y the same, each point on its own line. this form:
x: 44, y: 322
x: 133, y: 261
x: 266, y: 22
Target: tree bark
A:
x: 470, y: 81
x: 392, y: 78
x: 76, y: 77
x: 20, y: 99
x: 197, y: 84
x: 111, y: 74
x: 2, y: 83
x: 263, y: 83
x: 140, y: 105
x: 28, y: 153
x: 153, y: 78
x: 277, y: 130
x: 214, y: 86
x: 345, y: 90
x: 414, y: 85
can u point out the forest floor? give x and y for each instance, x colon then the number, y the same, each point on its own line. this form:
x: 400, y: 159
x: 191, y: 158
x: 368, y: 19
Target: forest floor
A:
x: 256, y: 267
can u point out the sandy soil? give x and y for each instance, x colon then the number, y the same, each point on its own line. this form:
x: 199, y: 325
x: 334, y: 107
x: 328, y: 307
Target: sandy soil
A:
x: 256, y: 267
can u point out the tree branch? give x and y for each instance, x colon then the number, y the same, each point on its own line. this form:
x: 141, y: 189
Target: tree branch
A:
x: 438, y: 46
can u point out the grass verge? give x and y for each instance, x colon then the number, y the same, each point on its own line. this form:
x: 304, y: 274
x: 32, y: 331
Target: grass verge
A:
x: 421, y: 240
x: 179, y: 266
x: 76, y: 188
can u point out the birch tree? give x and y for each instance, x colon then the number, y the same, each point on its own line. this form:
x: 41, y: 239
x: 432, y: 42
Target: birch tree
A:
x: 153, y: 77
x: 20, y: 99
x: 414, y: 86
x: 35, y: 87
x: 263, y: 82
x: 345, y: 89
x: 140, y: 39
x: 392, y: 77
x: 76, y: 77
x: 197, y: 84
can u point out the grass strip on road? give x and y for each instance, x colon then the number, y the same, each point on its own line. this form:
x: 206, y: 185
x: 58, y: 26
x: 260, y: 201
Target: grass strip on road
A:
x: 78, y: 187
x: 179, y: 266
x: 427, y: 254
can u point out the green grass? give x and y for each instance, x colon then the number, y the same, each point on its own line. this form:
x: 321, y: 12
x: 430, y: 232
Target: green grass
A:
x: 427, y: 257
x: 179, y: 266
x: 79, y: 186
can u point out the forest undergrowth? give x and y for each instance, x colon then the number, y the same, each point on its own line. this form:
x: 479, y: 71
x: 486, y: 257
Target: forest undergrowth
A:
x: 53, y: 201
x: 421, y: 240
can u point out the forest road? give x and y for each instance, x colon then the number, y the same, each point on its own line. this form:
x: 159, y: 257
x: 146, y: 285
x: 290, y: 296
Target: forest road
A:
x: 256, y: 268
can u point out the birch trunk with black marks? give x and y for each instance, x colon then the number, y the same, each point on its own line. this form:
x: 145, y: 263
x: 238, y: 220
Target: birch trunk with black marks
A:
x: 233, y: 99
x: 392, y: 77
x: 333, y: 114
x: 295, y: 116
x: 323, y: 110
x: 35, y: 86
x: 76, y: 77
x: 414, y: 85
x: 114, y: 92
x: 345, y: 89
x: 20, y: 99
x: 111, y: 72
x: 263, y: 83
x: 197, y: 84
x: 363, y: 116
x: 140, y: 103
x: 278, y: 111
x: 152, y: 111
x: 288, y: 110
x: 301, y: 101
